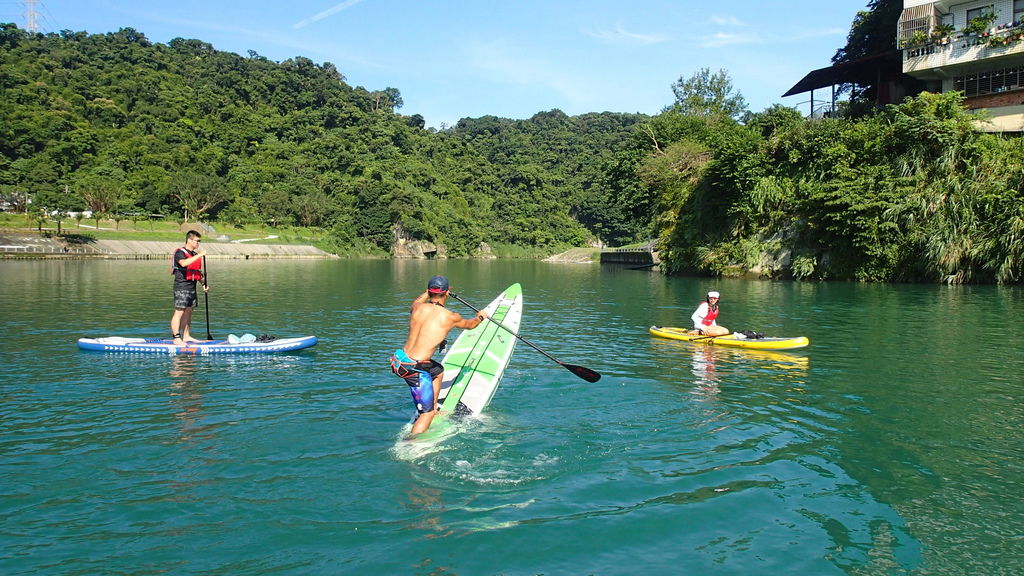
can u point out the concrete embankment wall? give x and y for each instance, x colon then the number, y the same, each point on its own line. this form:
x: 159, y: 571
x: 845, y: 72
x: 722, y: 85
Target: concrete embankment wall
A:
x: 27, y: 246
x: 242, y: 250
x: 631, y: 257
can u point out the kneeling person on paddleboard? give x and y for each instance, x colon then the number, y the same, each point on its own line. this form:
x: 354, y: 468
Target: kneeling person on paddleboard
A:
x: 429, y: 324
x: 704, y: 317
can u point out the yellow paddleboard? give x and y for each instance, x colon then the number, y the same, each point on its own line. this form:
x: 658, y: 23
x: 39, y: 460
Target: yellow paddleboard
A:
x: 732, y: 340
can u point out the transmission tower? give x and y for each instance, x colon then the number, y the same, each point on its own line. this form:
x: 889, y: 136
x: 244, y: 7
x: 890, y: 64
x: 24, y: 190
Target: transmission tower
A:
x: 32, y: 15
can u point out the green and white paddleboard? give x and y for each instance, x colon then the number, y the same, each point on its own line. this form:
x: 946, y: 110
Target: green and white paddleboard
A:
x: 476, y: 361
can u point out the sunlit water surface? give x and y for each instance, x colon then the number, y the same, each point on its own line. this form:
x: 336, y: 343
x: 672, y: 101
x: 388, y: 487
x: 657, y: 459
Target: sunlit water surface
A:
x: 891, y: 445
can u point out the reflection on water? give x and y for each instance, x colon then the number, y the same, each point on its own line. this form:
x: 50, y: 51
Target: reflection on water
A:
x: 704, y: 372
x: 709, y: 364
x: 428, y: 506
x: 186, y: 396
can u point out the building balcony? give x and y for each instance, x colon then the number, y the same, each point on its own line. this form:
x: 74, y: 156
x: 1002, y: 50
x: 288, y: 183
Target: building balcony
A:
x: 936, y: 60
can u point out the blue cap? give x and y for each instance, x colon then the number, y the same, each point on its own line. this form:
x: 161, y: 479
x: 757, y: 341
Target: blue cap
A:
x: 437, y: 285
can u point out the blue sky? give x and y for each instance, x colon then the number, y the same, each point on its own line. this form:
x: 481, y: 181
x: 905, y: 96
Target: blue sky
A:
x: 452, y: 59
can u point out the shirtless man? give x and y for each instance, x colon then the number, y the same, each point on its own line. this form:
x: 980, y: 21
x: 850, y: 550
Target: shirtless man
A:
x: 429, y: 324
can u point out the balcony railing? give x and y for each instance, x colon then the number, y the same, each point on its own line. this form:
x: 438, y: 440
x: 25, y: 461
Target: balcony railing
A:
x: 964, y: 49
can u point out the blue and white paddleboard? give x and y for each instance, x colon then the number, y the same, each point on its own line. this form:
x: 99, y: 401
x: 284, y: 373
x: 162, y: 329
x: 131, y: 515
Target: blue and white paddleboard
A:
x: 167, y: 347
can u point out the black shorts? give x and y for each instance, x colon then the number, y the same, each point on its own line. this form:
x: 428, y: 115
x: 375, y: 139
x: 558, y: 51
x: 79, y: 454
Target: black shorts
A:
x: 185, y: 298
x: 411, y: 377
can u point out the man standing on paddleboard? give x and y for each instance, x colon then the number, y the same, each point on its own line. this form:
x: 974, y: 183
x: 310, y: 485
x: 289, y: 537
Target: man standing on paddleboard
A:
x: 429, y: 324
x: 187, y: 267
x: 704, y: 317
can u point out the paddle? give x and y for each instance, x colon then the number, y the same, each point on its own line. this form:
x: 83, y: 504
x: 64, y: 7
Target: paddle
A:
x: 697, y: 338
x: 581, y: 371
x: 743, y: 335
x: 206, y: 302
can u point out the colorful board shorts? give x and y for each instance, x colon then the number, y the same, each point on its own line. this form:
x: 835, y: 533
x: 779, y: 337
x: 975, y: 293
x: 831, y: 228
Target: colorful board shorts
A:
x: 419, y: 375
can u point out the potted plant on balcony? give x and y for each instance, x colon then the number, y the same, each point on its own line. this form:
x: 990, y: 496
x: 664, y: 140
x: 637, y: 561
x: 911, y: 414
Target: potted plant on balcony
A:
x: 980, y: 24
x: 918, y: 38
x: 941, y: 32
x: 997, y: 41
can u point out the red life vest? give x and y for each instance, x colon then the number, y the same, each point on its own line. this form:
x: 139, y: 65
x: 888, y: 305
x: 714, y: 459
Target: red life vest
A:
x: 193, y: 271
x: 712, y: 314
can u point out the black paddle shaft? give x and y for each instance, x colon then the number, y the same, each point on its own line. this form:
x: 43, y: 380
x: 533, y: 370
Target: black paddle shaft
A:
x: 581, y: 371
x: 206, y: 301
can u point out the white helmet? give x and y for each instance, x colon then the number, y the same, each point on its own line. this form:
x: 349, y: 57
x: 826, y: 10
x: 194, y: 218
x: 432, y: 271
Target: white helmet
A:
x: 713, y: 294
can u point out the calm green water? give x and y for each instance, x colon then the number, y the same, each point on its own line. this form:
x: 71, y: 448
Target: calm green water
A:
x: 892, y: 445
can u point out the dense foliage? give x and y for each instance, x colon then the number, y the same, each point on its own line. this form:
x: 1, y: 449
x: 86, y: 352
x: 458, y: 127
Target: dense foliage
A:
x: 912, y: 193
x: 116, y: 124
x: 872, y: 32
x: 120, y: 125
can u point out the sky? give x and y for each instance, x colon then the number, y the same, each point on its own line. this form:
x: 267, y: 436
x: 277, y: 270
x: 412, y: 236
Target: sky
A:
x: 452, y: 59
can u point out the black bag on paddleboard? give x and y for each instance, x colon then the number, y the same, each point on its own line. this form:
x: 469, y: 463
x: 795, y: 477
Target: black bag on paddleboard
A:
x: 750, y: 334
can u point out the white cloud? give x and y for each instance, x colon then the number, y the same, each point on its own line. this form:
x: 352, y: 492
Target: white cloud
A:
x: 623, y: 36
x: 329, y: 12
x: 727, y: 21
x: 721, y: 39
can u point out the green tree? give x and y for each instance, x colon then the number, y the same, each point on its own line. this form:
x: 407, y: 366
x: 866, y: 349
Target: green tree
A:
x: 240, y: 212
x: 57, y: 203
x: 101, y: 194
x: 708, y: 94
x: 275, y: 207
x: 312, y: 209
x: 197, y: 194
x: 872, y: 32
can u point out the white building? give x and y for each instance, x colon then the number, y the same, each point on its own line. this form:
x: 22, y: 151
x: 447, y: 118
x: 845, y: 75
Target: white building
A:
x: 976, y: 47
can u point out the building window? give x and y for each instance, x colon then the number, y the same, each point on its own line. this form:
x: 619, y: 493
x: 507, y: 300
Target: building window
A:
x: 990, y: 82
x: 979, y: 12
x: 1018, y: 10
x: 915, y: 19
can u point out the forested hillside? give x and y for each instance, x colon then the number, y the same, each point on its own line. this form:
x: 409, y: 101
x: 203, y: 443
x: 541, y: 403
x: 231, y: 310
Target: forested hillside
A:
x: 912, y: 192
x: 114, y: 123
x: 117, y: 124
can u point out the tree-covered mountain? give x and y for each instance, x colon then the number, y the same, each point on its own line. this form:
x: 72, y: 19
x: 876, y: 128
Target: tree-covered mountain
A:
x: 116, y: 123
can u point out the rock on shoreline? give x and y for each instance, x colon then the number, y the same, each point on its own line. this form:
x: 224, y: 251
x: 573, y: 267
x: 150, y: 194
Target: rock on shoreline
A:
x: 576, y: 256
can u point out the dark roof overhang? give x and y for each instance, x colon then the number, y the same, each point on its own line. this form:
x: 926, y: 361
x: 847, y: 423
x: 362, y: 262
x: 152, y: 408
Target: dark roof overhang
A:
x: 866, y: 71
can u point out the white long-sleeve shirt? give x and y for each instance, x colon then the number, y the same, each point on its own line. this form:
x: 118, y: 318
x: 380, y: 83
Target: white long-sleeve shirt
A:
x: 699, y: 315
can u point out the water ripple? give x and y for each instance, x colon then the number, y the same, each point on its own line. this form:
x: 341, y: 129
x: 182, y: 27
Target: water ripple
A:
x: 862, y: 454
